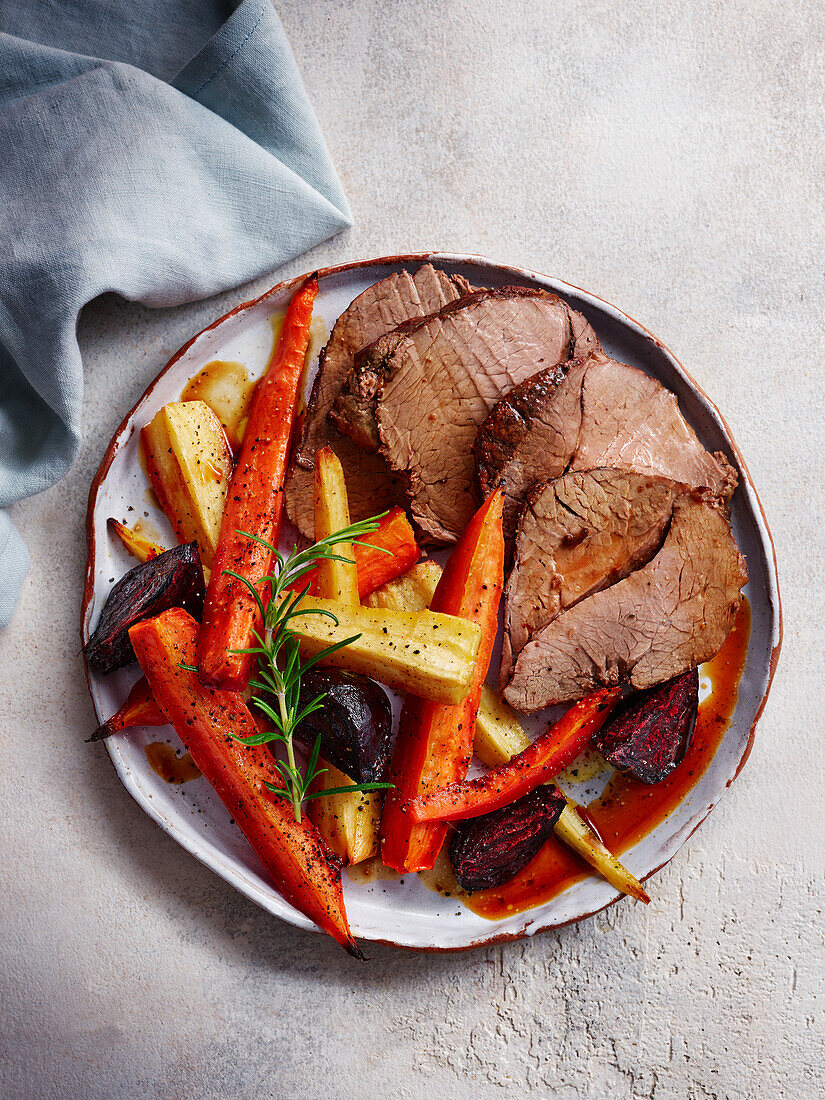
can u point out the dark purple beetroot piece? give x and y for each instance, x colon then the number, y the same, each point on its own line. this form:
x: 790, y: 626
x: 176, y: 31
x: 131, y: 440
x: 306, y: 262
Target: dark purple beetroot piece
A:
x: 172, y: 579
x: 355, y: 722
x: 490, y: 850
x: 649, y: 732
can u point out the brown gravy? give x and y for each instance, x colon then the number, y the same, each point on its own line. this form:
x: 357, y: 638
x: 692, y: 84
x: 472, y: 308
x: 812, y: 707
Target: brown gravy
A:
x: 226, y: 388
x: 628, y: 810
x: 371, y: 870
x: 166, y: 763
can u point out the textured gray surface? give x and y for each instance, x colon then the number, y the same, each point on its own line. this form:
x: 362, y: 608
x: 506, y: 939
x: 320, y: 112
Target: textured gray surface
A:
x: 670, y: 158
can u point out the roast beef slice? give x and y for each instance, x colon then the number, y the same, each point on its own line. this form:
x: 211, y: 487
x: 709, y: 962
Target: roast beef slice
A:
x: 577, y: 535
x: 632, y: 422
x: 421, y: 393
x: 530, y: 435
x: 372, y: 487
x: 657, y: 623
x: 603, y: 414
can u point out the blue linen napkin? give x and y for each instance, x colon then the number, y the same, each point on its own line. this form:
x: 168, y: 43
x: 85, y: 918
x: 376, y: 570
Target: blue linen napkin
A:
x: 163, y: 150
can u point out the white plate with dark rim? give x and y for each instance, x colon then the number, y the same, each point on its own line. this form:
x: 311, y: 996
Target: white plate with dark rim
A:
x: 406, y: 913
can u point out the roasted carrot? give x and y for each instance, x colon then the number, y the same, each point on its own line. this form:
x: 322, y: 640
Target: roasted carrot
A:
x: 140, y: 709
x: 375, y: 568
x: 208, y: 720
x: 435, y: 741
x: 254, y: 504
x: 549, y: 754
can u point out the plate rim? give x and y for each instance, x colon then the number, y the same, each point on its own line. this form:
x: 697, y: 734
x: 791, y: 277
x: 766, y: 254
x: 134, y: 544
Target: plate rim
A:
x: 482, y: 262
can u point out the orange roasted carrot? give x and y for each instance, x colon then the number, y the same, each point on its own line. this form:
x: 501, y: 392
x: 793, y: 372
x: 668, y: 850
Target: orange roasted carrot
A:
x: 395, y: 534
x: 549, y: 754
x: 375, y: 568
x: 207, y: 721
x: 254, y: 503
x: 435, y: 742
x: 140, y: 709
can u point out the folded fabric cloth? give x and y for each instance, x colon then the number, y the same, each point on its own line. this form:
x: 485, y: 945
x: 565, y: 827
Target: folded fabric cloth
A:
x: 163, y: 151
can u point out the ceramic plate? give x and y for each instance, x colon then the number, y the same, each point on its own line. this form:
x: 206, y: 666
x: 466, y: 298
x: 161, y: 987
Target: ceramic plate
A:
x: 406, y: 913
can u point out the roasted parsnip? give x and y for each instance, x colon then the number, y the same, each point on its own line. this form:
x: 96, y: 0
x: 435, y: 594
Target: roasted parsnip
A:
x: 337, y: 579
x: 577, y: 834
x: 421, y: 653
x: 138, y: 545
x: 189, y: 466
x: 347, y: 820
x: 411, y: 592
x: 498, y: 734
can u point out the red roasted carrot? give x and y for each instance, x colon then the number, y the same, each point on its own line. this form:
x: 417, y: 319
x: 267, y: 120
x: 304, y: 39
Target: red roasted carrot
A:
x: 539, y: 762
x: 375, y: 568
x: 140, y: 709
x: 435, y: 742
x: 207, y: 721
x: 254, y: 503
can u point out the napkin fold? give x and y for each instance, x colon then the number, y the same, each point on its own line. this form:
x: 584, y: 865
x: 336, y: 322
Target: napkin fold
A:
x: 164, y: 151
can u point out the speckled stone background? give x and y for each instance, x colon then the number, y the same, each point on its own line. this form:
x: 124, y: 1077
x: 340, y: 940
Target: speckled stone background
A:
x: 671, y: 158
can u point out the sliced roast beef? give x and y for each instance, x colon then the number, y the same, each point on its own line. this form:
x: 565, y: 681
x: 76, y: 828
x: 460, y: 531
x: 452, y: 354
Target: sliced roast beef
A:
x: 576, y: 535
x: 371, y: 485
x: 657, y: 623
x: 354, y: 409
x: 531, y: 435
x: 631, y: 422
x: 420, y: 394
x: 625, y: 419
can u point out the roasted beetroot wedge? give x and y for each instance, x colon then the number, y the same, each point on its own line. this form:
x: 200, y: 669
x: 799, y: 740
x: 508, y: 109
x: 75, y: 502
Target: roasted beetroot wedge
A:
x: 355, y: 722
x: 490, y: 850
x: 649, y: 732
x: 172, y: 579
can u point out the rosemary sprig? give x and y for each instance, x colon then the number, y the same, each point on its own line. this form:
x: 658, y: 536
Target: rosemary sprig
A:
x: 280, y: 667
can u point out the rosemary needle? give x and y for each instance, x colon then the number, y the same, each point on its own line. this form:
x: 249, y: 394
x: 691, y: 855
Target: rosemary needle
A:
x: 280, y: 666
